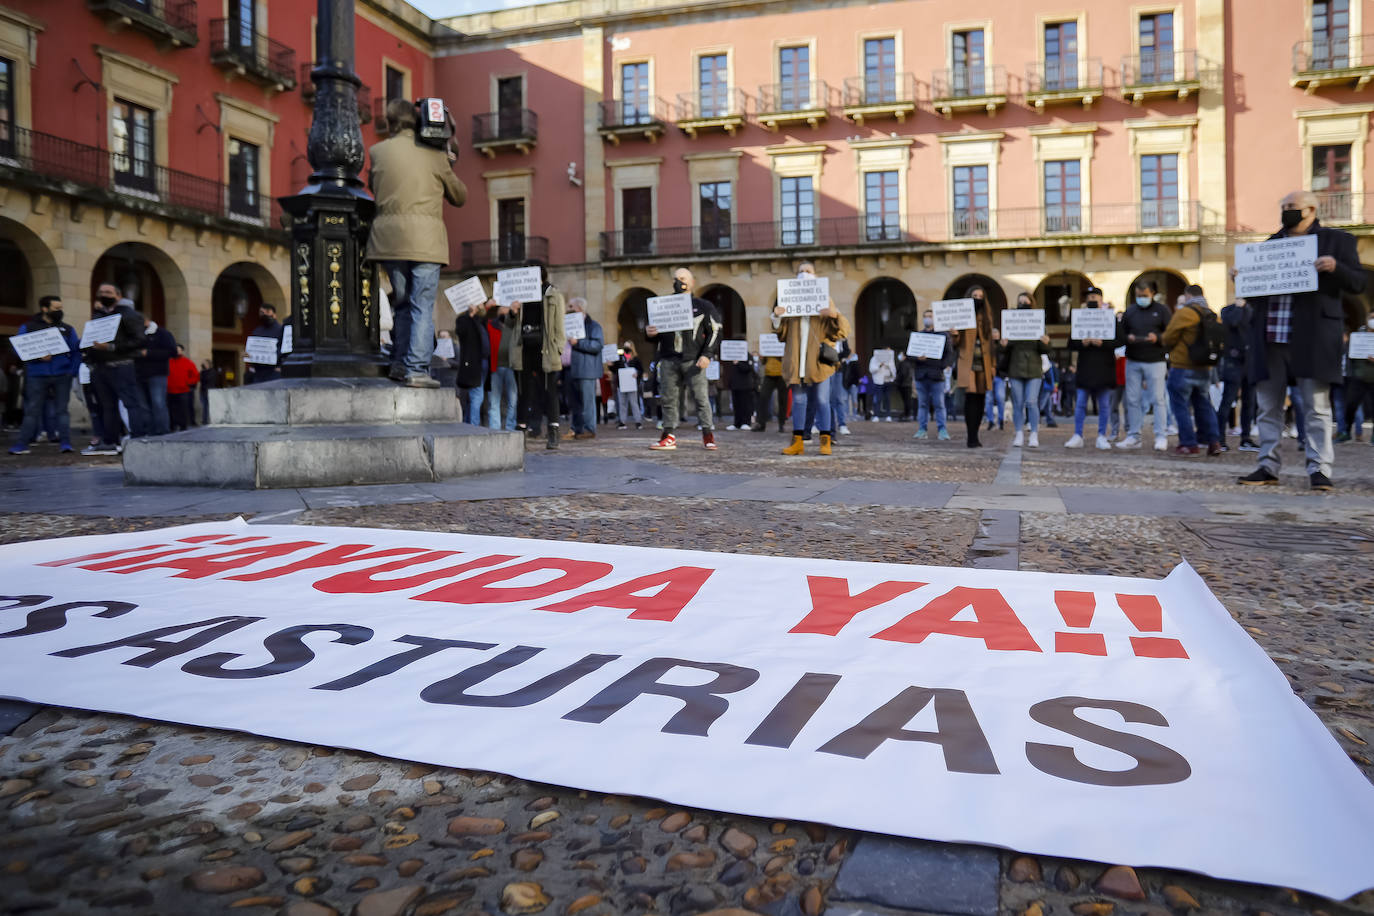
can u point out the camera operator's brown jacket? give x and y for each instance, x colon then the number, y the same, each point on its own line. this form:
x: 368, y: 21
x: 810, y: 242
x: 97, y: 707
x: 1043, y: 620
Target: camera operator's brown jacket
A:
x: 411, y: 183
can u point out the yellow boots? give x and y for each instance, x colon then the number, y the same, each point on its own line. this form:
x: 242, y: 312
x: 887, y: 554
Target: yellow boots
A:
x: 797, y: 447
x: 825, y: 443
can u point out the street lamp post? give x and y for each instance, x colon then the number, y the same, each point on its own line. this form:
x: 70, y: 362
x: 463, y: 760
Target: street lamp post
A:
x: 334, y: 292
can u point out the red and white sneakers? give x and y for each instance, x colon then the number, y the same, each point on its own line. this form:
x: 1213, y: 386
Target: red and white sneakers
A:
x: 708, y: 439
x: 667, y: 444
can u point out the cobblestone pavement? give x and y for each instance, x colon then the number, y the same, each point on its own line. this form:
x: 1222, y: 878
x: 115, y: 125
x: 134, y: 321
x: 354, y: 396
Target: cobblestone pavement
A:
x: 108, y: 814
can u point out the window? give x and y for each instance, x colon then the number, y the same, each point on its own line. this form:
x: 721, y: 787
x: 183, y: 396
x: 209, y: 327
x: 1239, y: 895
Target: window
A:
x: 880, y: 70
x: 395, y: 83
x: 1061, y: 56
x: 1330, y: 34
x: 1159, y: 191
x: 6, y: 107
x: 970, y: 200
x: 634, y: 93
x: 715, y: 215
x: 1063, y: 196
x: 242, y: 24
x: 243, y: 178
x: 882, y: 207
x: 1331, y: 181
x: 637, y: 213
x: 510, y: 100
x: 794, y: 67
x: 510, y: 230
x: 798, y: 206
x: 1157, y: 48
x: 713, y: 85
x: 967, y: 55
x: 131, y: 142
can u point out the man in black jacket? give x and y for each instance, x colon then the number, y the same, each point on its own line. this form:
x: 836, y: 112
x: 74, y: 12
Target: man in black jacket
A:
x: 150, y: 368
x: 1095, y: 377
x: 1299, y: 336
x: 268, y: 326
x: 112, y: 371
x: 1235, y: 318
x: 682, y: 360
x: 1142, y: 331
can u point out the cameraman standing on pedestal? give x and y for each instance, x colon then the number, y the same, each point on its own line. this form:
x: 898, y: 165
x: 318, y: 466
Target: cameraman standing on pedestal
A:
x: 411, y: 181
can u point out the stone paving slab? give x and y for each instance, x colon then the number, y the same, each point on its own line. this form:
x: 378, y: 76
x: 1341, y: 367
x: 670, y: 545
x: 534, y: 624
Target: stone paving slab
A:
x: 904, y: 494
x: 1007, y: 497
x: 1108, y: 501
x: 922, y: 876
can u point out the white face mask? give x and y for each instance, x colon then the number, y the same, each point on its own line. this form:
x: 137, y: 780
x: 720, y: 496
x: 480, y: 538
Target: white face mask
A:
x: 805, y: 275
x: 1371, y: 321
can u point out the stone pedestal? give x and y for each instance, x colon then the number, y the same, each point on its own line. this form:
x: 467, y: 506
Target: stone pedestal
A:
x: 323, y: 433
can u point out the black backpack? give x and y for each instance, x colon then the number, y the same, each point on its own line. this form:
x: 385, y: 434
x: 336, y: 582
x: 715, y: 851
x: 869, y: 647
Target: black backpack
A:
x: 1210, y: 341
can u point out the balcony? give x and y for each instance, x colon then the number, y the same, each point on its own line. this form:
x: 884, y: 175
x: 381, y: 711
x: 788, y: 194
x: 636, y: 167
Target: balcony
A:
x: 879, y: 96
x: 364, y: 94
x: 968, y: 89
x: 714, y: 109
x: 252, y: 55
x: 170, y: 21
x: 1064, y: 81
x: 783, y: 104
x: 1160, y: 74
x: 508, y: 251
x: 632, y: 119
x: 1339, y: 63
x: 1055, y: 225
x: 1344, y: 208
x: 103, y: 177
x: 499, y: 131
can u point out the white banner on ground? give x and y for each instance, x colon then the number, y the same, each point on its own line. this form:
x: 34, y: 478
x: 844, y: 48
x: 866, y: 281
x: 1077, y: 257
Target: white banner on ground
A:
x: 628, y: 379
x: 1023, y: 324
x: 463, y: 296
x: 288, y: 339
x: 953, y: 314
x: 1276, y: 267
x: 100, y: 330
x: 1362, y: 345
x: 734, y: 351
x: 38, y: 344
x: 670, y: 313
x: 769, y: 345
x: 443, y: 348
x: 574, y: 325
x: 261, y: 350
x: 713, y: 371
x: 930, y: 346
x: 908, y: 700
x: 802, y: 296
x: 1093, y: 324
x: 610, y: 353
x: 521, y: 284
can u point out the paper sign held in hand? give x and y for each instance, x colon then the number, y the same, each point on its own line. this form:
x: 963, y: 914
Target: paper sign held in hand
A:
x: 1023, y: 324
x: 443, y: 348
x: 671, y: 313
x: 802, y: 296
x: 712, y: 371
x: 100, y: 330
x: 287, y: 340
x: 261, y: 350
x: 463, y: 296
x: 930, y: 346
x: 769, y: 345
x: 954, y: 314
x: 734, y: 351
x: 38, y: 344
x: 886, y: 355
x: 610, y: 353
x: 1362, y: 345
x: 1276, y: 267
x: 520, y: 284
x: 1093, y: 324
x: 574, y: 325
x: 628, y: 379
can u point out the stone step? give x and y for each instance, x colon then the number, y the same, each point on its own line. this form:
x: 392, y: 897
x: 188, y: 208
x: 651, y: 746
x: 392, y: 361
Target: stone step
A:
x: 312, y: 402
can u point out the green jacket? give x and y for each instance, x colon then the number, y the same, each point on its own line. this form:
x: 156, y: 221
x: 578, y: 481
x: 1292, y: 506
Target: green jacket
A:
x: 1024, y: 361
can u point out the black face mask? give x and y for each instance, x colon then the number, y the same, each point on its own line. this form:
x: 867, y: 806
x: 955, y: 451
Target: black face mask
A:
x: 1290, y: 217
x: 679, y: 286
x: 55, y: 316
x: 107, y: 301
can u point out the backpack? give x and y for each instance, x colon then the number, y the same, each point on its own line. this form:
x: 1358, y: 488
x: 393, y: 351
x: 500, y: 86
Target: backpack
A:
x: 1210, y: 341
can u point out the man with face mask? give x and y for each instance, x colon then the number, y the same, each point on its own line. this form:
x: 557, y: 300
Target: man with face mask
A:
x: 1142, y: 332
x: 112, y: 371
x: 1299, y: 336
x: 1095, y: 378
x: 929, y: 377
x: 808, y: 374
x: 682, y: 360
x: 1359, y: 389
x: 48, y: 380
x: 268, y: 326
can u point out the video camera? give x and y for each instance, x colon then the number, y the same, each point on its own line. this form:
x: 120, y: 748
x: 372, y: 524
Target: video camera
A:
x: 434, y: 124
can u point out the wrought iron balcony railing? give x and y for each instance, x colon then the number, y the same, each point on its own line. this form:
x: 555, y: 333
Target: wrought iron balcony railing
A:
x: 1159, y: 68
x: 632, y: 113
x: 781, y: 98
x: 719, y: 102
x: 1345, y: 208
x: 174, y: 20
x: 506, y: 251
x: 969, y: 83
x: 1324, y: 55
x: 510, y: 125
x: 234, y: 47
x: 880, y: 89
x: 1064, y: 74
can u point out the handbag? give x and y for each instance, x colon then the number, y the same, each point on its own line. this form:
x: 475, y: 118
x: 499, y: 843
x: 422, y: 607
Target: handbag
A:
x: 828, y: 355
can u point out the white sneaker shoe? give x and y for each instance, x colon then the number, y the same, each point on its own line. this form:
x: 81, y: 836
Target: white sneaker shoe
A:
x: 1161, y: 444
x: 1018, y: 440
x: 844, y: 430
x: 1075, y: 442
x: 887, y: 419
x: 1129, y: 442
x: 874, y: 419
x: 1034, y: 441
x: 732, y: 427
x: 1104, y: 443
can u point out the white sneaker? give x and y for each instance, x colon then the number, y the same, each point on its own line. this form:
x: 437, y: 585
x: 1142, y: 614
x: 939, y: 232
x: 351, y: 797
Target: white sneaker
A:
x: 1161, y: 444
x: 1019, y: 439
x: 732, y: 427
x: 887, y: 419
x: 1075, y: 442
x: 874, y: 419
x: 1034, y: 441
x: 1104, y: 443
x: 1129, y: 442
x: 844, y: 430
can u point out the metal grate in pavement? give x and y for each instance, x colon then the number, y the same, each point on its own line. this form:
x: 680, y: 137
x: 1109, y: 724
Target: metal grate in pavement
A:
x: 1268, y: 537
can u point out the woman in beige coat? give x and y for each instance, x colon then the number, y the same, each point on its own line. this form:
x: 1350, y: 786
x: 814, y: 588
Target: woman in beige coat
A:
x: 805, y: 372
x: 977, y: 365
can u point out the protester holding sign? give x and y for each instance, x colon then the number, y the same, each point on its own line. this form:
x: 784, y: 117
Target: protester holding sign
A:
x: 1190, y: 373
x: 628, y: 371
x: 928, y: 374
x: 744, y: 380
x: 268, y: 327
x: 977, y: 362
x: 1142, y: 332
x: 809, y: 363
x: 1095, y: 377
x: 683, y: 356
x: 1024, y: 368
x: 474, y: 355
x: 48, y: 378
x: 112, y: 371
x: 585, y: 369
x: 542, y: 342
x: 1299, y: 336
x: 503, y: 325
x: 773, y: 387
x: 1359, y: 382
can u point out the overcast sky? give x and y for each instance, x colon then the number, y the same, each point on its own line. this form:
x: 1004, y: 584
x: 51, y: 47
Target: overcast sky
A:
x: 437, y: 9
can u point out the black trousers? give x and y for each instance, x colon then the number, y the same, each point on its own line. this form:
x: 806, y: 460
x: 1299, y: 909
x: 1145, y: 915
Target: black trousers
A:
x: 1359, y: 394
x: 538, y: 397
x: 179, y: 406
x: 744, y: 406
x: 973, y: 414
x: 773, y: 386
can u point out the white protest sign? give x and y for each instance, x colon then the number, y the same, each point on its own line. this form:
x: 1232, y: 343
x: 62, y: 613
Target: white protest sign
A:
x: 627, y: 379
x: 769, y: 345
x: 610, y: 353
x: 1139, y: 700
x: 463, y: 296
x: 734, y: 351
x: 954, y: 314
x: 100, y: 330
x: 574, y: 325
x: 1362, y: 345
x: 1276, y: 267
x: 38, y: 344
x: 1093, y: 324
x: 886, y: 355
x: 499, y: 294
x: 521, y: 284
x: 801, y: 296
x: 261, y: 350
x: 83, y: 374
x: 671, y: 313
x: 713, y: 371
x: 930, y: 346
x: 443, y: 348
x: 287, y: 339
x: 1023, y: 324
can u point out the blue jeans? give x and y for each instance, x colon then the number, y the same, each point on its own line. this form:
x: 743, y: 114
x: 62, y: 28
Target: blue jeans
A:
x: 39, y: 392
x: 1299, y: 412
x: 1139, y: 377
x: 1189, y: 388
x: 505, y: 393
x: 882, y: 401
x: 413, y: 288
x: 839, y: 399
x: 1025, y: 393
x: 155, y: 395
x: 997, y: 400
x: 1103, y: 397
x: 930, y: 398
x: 472, y: 405
x: 583, y: 404
x: 811, y: 392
